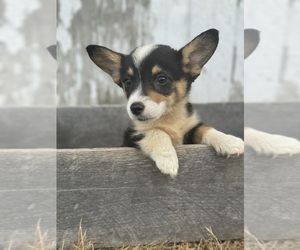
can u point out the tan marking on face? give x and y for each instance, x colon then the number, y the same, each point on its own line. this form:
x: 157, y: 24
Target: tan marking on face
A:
x: 201, y: 131
x: 130, y: 72
x: 156, y: 69
x: 158, y: 98
x: 176, y: 123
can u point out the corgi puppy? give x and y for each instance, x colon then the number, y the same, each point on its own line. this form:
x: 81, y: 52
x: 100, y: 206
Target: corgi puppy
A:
x: 261, y: 142
x: 156, y: 80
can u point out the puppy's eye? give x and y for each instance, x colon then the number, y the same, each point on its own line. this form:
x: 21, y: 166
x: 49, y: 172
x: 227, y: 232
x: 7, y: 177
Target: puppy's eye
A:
x: 161, y: 79
x: 127, y: 82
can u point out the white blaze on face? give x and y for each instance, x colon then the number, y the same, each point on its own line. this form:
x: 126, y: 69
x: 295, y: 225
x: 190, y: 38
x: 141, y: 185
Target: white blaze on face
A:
x: 152, y: 109
x: 141, y: 52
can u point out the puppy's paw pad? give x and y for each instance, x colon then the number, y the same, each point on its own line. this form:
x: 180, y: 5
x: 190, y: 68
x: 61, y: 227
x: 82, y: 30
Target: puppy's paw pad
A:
x: 229, y: 145
x: 167, y: 165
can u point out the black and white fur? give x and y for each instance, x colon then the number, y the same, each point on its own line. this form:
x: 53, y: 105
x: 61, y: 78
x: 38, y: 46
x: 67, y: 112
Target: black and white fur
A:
x: 157, y: 80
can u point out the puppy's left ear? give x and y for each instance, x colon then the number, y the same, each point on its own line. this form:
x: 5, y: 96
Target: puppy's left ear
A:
x: 197, y: 53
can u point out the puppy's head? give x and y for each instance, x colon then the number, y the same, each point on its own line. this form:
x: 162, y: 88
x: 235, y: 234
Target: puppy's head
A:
x: 156, y: 77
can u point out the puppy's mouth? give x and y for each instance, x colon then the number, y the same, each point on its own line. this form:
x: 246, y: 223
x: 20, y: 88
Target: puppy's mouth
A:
x: 143, y: 118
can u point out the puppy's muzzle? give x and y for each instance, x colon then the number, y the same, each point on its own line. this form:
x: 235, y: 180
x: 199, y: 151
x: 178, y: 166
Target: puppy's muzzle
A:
x: 137, y: 108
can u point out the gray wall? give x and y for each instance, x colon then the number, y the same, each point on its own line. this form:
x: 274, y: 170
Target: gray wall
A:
x: 272, y: 73
x: 27, y: 27
x: 27, y: 72
x: 123, y: 25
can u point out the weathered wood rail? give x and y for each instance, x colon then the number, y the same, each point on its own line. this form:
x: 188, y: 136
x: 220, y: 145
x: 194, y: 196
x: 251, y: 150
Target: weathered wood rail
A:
x: 85, y: 127
x: 123, y: 199
x: 272, y: 184
x: 118, y: 193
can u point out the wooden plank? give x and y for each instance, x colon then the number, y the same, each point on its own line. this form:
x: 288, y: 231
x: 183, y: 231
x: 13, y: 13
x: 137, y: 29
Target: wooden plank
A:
x: 272, y: 187
x: 123, y: 199
x: 27, y: 128
x: 275, y: 118
x: 27, y: 196
x: 115, y: 190
x: 272, y: 196
x: 86, y: 127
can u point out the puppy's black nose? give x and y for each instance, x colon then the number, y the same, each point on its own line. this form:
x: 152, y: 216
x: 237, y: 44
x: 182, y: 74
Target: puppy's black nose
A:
x: 137, y: 108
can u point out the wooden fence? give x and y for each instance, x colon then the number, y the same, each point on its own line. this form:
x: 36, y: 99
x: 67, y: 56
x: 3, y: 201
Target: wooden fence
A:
x: 123, y: 199
x: 118, y: 193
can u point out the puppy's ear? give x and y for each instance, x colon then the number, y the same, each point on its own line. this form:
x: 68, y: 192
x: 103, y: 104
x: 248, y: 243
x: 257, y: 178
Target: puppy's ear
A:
x: 107, y: 60
x: 197, y: 53
x: 251, y: 40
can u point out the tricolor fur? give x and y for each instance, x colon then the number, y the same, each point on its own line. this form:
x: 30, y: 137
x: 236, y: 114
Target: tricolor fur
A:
x: 157, y: 80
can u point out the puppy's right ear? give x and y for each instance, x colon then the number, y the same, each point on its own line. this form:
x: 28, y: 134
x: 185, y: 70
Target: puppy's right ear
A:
x: 197, y: 53
x: 107, y: 60
x: 251, y: 40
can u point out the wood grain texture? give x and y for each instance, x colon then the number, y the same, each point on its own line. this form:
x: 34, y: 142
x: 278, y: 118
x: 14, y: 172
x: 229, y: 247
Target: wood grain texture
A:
x: 121, y: 202
x: 274, y: 118
x: 272, y: 196
x: 86, y: 127
x: 118, y: 193
x: 27, y: 127
x: 27, y: 196
x: 272, y: 186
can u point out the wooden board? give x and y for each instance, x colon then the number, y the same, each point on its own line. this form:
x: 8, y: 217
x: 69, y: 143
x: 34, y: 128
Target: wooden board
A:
x: 27, y: 196
x: 119, y: 194
x: 88, y: 127
x: 123, y: 199
x: 272, y: 186
x: 104, y: 126
x: 27, y: 128
x: 272, y: 196
x: 275, y: 118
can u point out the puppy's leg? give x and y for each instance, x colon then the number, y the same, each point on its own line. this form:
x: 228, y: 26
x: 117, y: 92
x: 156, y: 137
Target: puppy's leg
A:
x: 270, y: 144
x: 158, y: 146
x: 224, y: 144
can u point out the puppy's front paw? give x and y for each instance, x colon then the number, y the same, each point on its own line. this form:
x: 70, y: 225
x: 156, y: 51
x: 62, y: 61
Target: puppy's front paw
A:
x: 270, y: 144
x: 167, y: 164
x: 229, y: 145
